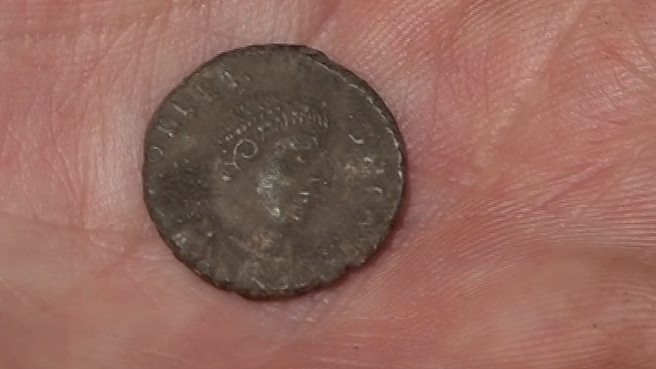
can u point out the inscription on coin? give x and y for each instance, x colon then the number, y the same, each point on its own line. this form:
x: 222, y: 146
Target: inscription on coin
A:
x: 271, y: 170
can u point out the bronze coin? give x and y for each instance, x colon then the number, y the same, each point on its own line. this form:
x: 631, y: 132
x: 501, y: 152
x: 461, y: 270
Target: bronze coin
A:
x: 271, y: 170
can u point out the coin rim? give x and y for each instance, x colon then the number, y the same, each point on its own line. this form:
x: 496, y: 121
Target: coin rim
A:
x: 348, y: 77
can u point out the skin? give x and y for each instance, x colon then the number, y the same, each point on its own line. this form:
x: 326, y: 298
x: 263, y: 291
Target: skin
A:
x: 528, y: 236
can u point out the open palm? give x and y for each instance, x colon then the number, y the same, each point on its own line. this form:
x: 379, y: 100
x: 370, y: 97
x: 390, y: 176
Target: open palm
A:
x: 529, y: 236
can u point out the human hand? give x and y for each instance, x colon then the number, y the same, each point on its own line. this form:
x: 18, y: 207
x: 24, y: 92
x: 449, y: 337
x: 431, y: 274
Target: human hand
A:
x: 528, y: 239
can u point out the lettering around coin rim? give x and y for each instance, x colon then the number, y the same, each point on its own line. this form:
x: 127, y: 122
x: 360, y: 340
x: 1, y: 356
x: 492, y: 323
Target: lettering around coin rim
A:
x: 271, y: 170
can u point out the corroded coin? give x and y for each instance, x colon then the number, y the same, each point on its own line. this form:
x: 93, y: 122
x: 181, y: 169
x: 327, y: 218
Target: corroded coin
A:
x: 271, y: 170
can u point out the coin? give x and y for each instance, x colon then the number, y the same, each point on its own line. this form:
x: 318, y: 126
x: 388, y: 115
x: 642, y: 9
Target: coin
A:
x: 271, y: 170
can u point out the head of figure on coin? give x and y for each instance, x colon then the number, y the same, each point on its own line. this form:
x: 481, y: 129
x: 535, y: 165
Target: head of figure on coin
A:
x: 276, y: 147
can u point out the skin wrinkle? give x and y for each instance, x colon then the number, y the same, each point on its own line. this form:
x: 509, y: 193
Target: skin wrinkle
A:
x: 56, y: 140
x: 612, y: 128
x: 62, y: 296
x: 584, y: 316
x: 561, y: 186
x: 31, y: 109
x: 70, y: 17
x: 644, y: 48
x: 151, y: 357
x: 315, y: 32
x: 15, y: 294
x: 532, y: 95
x: 606, y: 188
x: 649, y: 81
x: 7, y: 136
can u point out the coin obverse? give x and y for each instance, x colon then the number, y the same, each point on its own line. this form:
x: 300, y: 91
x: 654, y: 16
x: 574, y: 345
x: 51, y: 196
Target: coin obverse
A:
x: 271, y: 170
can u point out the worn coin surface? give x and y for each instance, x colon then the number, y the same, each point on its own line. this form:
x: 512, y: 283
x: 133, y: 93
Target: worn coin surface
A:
x: 271, y: 170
